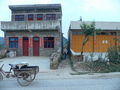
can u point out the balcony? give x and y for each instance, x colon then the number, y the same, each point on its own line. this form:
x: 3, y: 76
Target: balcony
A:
x: 31, y: 25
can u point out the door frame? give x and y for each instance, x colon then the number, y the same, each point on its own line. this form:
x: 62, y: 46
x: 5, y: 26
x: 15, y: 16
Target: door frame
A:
x: 25, y: 48
x: 36, y: 41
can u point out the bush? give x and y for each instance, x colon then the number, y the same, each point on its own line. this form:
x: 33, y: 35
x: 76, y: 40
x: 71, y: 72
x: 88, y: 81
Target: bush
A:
x: 113, y: 55
x: 1, y: 46
x: 71, y: 62
x: 61, y: 58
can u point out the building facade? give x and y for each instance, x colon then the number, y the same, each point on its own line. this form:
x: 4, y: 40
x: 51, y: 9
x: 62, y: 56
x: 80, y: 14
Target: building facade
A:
x: 34, y: 30
x: 107, y: 37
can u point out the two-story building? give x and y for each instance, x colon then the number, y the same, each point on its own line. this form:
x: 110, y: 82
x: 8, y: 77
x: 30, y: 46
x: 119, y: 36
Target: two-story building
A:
x: 34, y: 30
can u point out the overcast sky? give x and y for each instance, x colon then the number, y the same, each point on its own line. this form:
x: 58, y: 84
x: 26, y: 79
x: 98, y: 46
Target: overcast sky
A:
x: 98, y: 10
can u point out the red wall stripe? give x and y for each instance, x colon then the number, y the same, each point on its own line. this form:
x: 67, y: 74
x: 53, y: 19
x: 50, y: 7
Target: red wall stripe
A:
x: 30, y: 42
x: 20, y: 42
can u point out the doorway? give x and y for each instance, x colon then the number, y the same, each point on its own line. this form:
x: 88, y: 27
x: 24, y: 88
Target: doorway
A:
x: 25, y: 46
x: 36, y: 46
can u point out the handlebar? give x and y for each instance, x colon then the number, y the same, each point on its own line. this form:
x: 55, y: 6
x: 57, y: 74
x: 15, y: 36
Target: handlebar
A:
x: 2, y: 66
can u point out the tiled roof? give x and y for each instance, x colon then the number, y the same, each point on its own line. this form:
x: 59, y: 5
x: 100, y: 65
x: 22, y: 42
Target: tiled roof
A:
x: 103, y: 25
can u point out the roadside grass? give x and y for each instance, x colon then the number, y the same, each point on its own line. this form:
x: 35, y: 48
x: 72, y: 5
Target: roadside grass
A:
x: 114, y: 67
x: 79, y: 73
x: 90, y: 67
x: 71, y: 63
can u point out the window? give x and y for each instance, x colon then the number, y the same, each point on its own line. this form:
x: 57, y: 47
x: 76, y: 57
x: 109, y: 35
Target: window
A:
x: 13, y: 42
x: 108, y: 33
x: 79, y: 33
x: 39, y: 16
x: 35, y: 38
x: 48, y: 42
x: 103, y: 33
x: 113, y: 33
x: 25, y: 38
x: 119, y: 34
x: 19, y: 17
x: 98, y: 33
x: 30, y: 17
x: 50, y: 17
x: 76, y: 33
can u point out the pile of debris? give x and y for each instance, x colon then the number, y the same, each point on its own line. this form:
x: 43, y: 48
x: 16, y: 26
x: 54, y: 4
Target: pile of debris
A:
x: 6, y: 53
x: 3, y: 53
x: 54, y: 59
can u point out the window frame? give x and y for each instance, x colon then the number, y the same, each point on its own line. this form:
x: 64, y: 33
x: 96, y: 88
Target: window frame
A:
x: 41, y: 17
x: 13, y: 42
x: 77, y: 33
x: 52, y: 17
x: 49, y: 42
x: 30, y: 18
x: 19, y: 18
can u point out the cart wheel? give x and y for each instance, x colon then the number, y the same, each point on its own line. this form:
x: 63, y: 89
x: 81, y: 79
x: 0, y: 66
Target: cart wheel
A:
x: 33, y: 76
x: 24, y: 78
x: 1, y: 76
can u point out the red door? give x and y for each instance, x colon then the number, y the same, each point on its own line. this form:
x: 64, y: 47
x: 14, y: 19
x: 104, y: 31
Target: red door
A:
x: 35, y: 46
x: 25, y: 46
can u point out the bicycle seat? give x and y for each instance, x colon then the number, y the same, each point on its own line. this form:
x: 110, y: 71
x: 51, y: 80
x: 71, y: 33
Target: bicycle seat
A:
x: 11, y: 65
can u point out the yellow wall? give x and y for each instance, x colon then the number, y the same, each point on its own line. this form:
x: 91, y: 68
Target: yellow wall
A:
x: 101, y: 45
x: 103, y: 42
x: 77, y: 41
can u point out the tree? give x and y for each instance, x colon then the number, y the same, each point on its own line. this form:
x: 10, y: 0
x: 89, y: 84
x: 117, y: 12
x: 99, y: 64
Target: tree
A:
x: 87, y: 30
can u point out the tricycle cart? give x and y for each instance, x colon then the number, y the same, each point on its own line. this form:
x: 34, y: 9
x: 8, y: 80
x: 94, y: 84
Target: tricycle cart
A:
x: 25, y: 74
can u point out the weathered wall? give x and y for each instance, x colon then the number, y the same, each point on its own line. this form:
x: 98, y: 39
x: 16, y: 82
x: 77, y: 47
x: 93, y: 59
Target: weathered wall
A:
x: 41, y: 34
x: 25, y: 25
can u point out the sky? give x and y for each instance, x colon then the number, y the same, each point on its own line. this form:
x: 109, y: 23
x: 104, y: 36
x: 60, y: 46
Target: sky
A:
x: 98, y: 10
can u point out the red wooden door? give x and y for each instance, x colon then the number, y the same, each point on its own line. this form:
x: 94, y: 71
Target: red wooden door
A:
x: 35, y: 46
x: 25, y: 46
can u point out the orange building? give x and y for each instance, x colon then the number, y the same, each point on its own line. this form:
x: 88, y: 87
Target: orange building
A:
x: 108, y: 37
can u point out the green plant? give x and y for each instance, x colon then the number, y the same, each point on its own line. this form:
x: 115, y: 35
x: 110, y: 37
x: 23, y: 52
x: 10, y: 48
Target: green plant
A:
x: 61, y: 58
x: 71, y: 62
x: 87, y: 30
x: 1, y: 46
x: 113, y: 55
x: 86, y: 58
x: 114, y: 67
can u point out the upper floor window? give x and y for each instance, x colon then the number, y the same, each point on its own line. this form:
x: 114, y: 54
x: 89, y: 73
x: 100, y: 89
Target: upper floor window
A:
x: 13, y: 42
x: 39, y: 16
x: 19, y: 17
x: 30, y: 17
x: 76, y: 33
x: 106, y: 33
x: 50, y: 17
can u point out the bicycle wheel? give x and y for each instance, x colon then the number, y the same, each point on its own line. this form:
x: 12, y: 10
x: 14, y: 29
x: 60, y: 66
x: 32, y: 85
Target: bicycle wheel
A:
x: 1, y: 76
x: 33, y: 76
x: 24, y: 78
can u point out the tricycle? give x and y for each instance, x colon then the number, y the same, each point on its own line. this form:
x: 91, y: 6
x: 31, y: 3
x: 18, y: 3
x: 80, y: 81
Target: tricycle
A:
x: 25, y: 74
